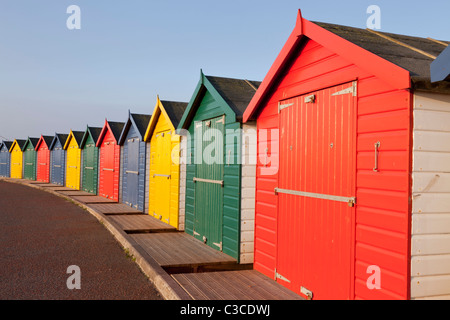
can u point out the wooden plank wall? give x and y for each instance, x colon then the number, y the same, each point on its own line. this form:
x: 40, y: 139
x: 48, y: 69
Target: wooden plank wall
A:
x: 430, y: 230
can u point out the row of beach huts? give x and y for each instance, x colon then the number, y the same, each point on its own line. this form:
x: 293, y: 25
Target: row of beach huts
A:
x: 331, y: 176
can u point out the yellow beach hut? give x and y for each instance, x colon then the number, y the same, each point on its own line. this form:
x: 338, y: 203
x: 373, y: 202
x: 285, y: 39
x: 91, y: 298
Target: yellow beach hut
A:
x: 17, y: 158
x: 73, y: 162
x: 164, y: 164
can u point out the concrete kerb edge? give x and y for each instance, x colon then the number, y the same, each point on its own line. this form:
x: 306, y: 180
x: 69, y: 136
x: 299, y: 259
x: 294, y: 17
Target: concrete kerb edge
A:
x: 166, y: 285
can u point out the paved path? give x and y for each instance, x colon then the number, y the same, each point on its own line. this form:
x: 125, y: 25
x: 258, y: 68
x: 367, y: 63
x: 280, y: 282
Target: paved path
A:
x: 41, y: 235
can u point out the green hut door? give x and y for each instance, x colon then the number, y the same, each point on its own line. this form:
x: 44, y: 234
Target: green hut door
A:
x: 29, y: 171
x: 209, y: 146
x: 90, y: 167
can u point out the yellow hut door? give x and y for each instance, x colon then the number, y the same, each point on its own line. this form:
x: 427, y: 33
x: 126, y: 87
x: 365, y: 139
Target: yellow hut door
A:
x: 73, y: 166
x: 162, y: 176
x: 16, y: 163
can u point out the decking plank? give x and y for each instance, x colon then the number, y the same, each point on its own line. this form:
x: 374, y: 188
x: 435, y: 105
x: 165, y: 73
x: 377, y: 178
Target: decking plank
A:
x: 92, y: 199
x: 113, y: 208
x: 140, y: 223
x: 75, y: 193
x: 177, y: 249
x: 233, y: 285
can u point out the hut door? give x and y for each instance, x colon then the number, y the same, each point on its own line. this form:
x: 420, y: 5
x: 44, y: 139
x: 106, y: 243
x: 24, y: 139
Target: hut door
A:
x: 316, y: 193
x: 57, y: 162
x: 43, y: 164
x: 132, y: 172
x: 29, y: 163
x: 162, y: 175
x: 4, y: 154
x: 72, y: 172
x: 108, y: 169
x: 209, y: 145
x: 89, y: 168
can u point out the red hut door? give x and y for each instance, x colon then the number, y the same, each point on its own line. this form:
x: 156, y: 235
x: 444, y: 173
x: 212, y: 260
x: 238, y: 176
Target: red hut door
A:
x: 316, y: 193
x: 108, y: 167
x: 43, y: 164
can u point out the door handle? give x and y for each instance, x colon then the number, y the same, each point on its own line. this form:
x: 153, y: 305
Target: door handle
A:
x: 377, y: 145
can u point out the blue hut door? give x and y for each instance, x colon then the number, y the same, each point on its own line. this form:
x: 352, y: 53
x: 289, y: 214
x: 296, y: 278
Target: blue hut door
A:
x: 58, y: 166
x: 4, y: 163
x: 132, y: 172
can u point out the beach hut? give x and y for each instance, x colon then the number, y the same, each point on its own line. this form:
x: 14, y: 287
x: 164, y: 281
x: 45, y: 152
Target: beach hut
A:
x: 17, y: 158
x: 352, y: 187
x: 109, y: 160
x: 58, y: 159
x: 29, y: 158
x: 5, y: 158
x: 133, y: 160
x: 73, y: 159
x: 43, y: 158
x: 219, y: 199
x: 164, y: 177
x: 89, y: 166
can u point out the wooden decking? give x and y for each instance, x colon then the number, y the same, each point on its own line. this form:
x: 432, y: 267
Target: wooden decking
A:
x: 140, y: 223
x: 233, y: 285
x: 178, y: 250
x: 75, y: 193
x: 114, y: 208
x: 91, y: 199
x: 47, y: 185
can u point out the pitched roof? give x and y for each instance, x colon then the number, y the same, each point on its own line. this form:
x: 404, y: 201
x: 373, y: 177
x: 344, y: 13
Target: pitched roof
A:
x: 402, y: 61
x: 141, y: 121
x: 418, y: 64
x: 94, y: 132
x: 236, y: 92
x: 33, y: 141
x: 19, y: 142
x: 116, y: 128
x: 7, y: 144
x: 175, y: 110
x: 61, y: 137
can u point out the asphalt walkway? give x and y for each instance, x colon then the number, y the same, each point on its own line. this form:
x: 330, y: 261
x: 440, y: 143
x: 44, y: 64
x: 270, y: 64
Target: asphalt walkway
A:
x: 41, y: 235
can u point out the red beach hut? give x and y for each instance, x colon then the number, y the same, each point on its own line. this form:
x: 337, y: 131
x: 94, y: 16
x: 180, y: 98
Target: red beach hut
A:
x: 109, y: 155
x: 43, y: 158
x: 340, y: 203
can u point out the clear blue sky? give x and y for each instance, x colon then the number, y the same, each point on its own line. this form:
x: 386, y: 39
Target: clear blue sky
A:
x: 53, y: 79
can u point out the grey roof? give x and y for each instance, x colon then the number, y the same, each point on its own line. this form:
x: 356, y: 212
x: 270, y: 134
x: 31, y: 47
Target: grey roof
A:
x: 48, y: 140
x: 141, y: 121
x: 78, y: 135
x: 7, y: 144
x: 62, y: 138
x: 21, y: 143
x: 175, y: 110
x: 95, y: 133
x: 236, y: 92
x: 416, y: 63
x: 116, y: 128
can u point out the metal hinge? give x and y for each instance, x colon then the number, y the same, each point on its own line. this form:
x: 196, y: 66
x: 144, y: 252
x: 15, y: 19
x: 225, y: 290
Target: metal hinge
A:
x: 352, y: 90
x: 279, y: 276
x: 283, y: 106
x: 196, y: 233
x: 218, y: 245
x: 306, y: 292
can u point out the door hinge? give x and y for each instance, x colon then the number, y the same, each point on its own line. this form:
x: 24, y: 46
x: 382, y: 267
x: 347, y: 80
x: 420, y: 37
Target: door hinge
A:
x: 306, y: 292
x: 283, y: 106
x: 352, y: 90
x: 279, y: 276
x: 196, y: 233
x: 218, y: 245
